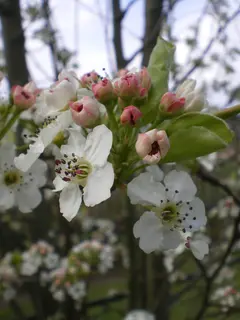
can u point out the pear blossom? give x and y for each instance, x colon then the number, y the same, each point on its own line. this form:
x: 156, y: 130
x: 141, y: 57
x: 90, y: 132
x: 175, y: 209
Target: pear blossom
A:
x: 89, y: 78
x: 152, y: 145
x: 174, y: 210
x: 133, y: 85
x: 103, y: 90
x: 77, y: 291
x: 130, y: 115
x: 42, y: 139
x: 85, y: 112
x: 25, y: 97
x: 139, y: 315
x: 18, y: 188
x: 83, y: 170
x: 186, y: 98
x: 199, y: 248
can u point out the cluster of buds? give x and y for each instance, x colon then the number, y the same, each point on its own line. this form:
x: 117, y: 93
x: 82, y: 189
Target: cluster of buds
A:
x: 186, y: 98
x: 133, y: 85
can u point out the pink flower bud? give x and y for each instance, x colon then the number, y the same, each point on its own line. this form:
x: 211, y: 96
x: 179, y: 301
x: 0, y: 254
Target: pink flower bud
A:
x: 22, y: 98
x: 133, y: 85
x: 171, y: 103
x: 145, y: 78
x: 85, y: 112
x: 89, y: 78
x: 130, y: 115
x: 122, y: 72
x: 152, y: 146
x: 127, y: 86
x: 103, y: 90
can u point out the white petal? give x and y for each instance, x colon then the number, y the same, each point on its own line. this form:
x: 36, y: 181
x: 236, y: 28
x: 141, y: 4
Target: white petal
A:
x: 84, y: 92
x: 28, y: 199
x: 37, y: 173
x: 59, y: 184
x: 144, y: 190
x: 98, y: 145
x: 156, y: 172
x: 7, y: 154
x: 98, y: 187
x: 199, y: 248
x: 194, y: 214
x: 76, y: 143
x: 180, y: 185
x: 46, y: 135
x: 148, y: 229
x: 6, y: 198
x: 186, y: 88
x: 70, y: 201
x: 171, y: 239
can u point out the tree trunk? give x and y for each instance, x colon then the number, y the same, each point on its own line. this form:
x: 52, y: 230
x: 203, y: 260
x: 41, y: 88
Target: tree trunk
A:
x: 14, y: 42
x: 117, y: 34
x: 153, y: 23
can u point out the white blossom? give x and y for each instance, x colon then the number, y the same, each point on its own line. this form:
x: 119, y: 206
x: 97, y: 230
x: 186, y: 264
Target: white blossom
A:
x: 17, y: 187
x: 84, y: 164
x: 51, y: 260
x: 174, y: 209
x: 77, y: 291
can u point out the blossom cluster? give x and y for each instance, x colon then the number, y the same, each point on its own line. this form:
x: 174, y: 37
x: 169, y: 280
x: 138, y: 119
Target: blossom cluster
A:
x: 106, y: 133
x: 64, y: 276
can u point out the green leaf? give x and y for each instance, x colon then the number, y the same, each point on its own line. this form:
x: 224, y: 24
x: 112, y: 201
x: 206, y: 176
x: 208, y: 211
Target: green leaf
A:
x: 210, y: 122
x: 159, y: 66
x: 193, y: 142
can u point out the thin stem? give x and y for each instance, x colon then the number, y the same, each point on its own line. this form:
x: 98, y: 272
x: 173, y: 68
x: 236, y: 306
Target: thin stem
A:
x: 228, y: 112
x: 10, y: 123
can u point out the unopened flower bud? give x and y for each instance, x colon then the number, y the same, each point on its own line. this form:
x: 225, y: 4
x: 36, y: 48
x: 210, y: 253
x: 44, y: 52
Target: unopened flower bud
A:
x: 194, y: 99
x: 23, y: 98
x: 145, y: 78
x: 122, y: 72
x: 85, y: 112
x: 152, y: 146
x: 133, y: 85
x: 130, y: 115
x: 103, y: 90
x: 89, y: 78
x: 171, y: 103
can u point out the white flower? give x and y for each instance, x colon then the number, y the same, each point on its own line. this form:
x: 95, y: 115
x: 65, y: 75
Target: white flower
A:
x: 209, y: 161
x: 106, y: 259
x: 51, y: 260
x: 17, y: 187
x: 31, y: 263
x: 77, y: 291
x: 194, y: 99
x: 9, y: 293
x: 174, y: 209
x: 139, y: 315
x: 59, y: 295
x: 44, y: 137
x: 199, y: 248
x: 55, y: 99
x: 84, y: 164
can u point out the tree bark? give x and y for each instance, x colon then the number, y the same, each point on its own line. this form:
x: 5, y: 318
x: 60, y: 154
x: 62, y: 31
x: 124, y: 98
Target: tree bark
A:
x: 117, y: 34
x: 14, y: 42
x: 153, y: 23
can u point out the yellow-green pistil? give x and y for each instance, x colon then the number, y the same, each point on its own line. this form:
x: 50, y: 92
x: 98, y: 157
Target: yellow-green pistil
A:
x: 11, y: 177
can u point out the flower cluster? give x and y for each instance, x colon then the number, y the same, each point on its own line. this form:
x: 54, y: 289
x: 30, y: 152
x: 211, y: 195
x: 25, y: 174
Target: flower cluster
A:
x: 106, y: 132
x: 63, y: 276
